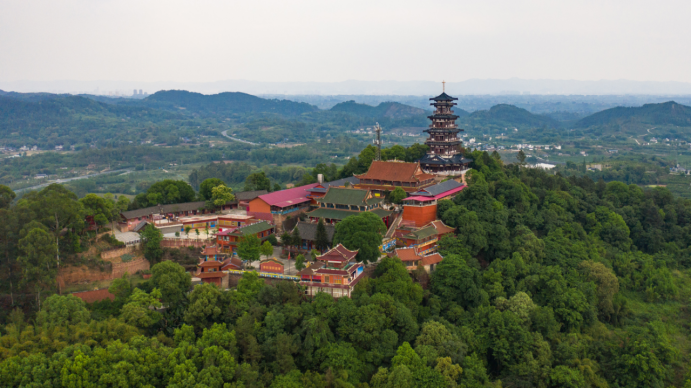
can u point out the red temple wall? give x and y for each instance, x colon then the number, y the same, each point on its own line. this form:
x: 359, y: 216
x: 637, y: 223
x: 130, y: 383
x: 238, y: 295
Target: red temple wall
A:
x: 420, y: 215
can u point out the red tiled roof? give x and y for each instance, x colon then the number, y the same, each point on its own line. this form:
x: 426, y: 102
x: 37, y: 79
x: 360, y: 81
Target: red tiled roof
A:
x: 395, y: 171
x: 440, y: 227
x: 213, y: 250
x: 287, y: 197
x: 407, y: 254
x: 234, y: 264
x: 276, y: 261
x: 338, y: 253
x: 432, y: 259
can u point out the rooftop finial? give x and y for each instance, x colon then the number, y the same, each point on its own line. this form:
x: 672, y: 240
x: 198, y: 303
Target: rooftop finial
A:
x: 443, y: 86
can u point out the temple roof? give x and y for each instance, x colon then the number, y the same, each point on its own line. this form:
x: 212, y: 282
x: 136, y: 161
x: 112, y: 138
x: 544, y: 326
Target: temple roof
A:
x: 395, y: 171
x: 274, y: 260
x: 322, y: 188
x: 288, y: 197
x: 308, y: 231
x: 249, y: 229
x: 338, y: 253
x: 405, y: 254
x: 443, y: 97
x: 437, y: 189
x: 440, y: 227
x: 422, y: 233
x: 341, y: 214
x: 212, y: 250
x: 346, y: 196
x: 437, y: 160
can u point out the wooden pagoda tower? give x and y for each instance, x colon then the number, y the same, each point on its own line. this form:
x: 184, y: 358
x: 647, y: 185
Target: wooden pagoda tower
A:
x: 444, y: 156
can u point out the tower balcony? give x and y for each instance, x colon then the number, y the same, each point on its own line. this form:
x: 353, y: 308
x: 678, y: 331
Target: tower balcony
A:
x: 442, y: 142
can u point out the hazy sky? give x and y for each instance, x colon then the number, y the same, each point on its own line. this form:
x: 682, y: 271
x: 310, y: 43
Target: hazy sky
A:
x: 200, y: 41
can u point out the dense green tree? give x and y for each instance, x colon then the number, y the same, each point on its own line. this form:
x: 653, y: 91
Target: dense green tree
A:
x: 266, y: 249
x: 62, y: 310
x: 221, y: 195
x: 206, y: 187
x: 152, y: 238
x: 6, y: 196
x: 172, y: 280
x: 397, y: 195
x: 249, y: 248
x: 362, y: 232
x: 37, y: 260
x: 257, y: 181
x: 322, y: 242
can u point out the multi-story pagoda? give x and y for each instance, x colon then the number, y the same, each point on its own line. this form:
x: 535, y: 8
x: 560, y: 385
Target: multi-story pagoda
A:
x: 444, y: 156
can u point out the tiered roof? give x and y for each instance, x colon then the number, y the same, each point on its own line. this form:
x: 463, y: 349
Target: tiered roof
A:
x: 338, y: 254
x: 443, y: 97
x: 436, y: 227
x: 411, y: 254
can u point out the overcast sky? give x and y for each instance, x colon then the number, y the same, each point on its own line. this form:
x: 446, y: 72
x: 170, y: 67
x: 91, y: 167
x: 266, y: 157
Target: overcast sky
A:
x: 328, y: 41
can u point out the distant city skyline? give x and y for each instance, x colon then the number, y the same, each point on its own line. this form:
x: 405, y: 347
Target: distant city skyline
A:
x: 331, y: 42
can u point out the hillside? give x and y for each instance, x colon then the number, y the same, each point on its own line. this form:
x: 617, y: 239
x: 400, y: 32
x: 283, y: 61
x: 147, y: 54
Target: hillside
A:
x: 226, y: 103
x: 668, y: 113
x: 48, y: 120
x: 390, y: 110
x: 509, y: 115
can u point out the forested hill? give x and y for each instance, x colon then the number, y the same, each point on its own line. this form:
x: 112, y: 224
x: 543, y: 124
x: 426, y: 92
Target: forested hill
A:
x: 226, y: 103
x: 669, y: 113
x: 40, y: 115
x: 390, y: 110
x: 511, y: 116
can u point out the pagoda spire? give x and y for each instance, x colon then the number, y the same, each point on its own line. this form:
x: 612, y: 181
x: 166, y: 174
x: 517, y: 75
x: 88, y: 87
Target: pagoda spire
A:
x: 443, y: 86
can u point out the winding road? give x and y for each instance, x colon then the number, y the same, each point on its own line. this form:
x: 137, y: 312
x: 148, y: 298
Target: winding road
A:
x: 61, y: 180
x: 225, y: 133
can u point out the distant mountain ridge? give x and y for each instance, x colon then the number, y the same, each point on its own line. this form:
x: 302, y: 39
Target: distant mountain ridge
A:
x: 657, y: 114
x: 225, y: 103
x: 511, y: 86
x: 389, y: 109
x: 511, y: 115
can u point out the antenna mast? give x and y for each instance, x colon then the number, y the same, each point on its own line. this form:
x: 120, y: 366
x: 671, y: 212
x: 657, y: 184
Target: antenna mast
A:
x: 378, y: 142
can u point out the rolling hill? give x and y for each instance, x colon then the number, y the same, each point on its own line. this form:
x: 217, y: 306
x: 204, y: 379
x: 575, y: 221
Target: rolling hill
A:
x: 668, y: 113
x: 509, y: 115
x: 389, y: 110
x: 226, y: 103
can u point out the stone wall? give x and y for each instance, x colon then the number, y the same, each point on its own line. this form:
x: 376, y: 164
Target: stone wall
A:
x: 91, y: 296
x: 117, y: 252
x: 131, y: 267
x: 175, y: 242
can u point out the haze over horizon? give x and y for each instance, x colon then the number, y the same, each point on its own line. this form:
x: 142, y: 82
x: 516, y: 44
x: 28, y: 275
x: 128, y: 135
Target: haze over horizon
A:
x: 490, y: 47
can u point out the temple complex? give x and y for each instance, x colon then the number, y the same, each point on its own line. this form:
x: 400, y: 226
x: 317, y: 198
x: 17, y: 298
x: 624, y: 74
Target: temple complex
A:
x: 444, y: 156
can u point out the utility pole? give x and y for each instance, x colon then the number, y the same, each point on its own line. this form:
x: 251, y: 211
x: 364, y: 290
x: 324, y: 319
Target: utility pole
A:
x: 378, y: 141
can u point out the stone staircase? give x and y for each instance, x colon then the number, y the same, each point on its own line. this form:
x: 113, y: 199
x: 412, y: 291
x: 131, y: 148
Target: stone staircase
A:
x: 394, y: 226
